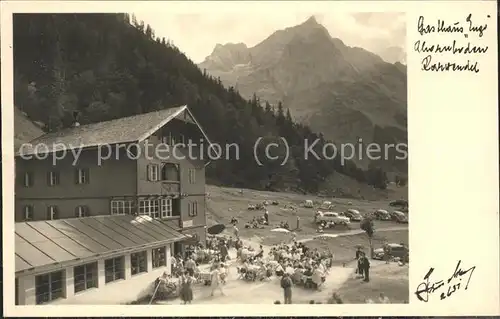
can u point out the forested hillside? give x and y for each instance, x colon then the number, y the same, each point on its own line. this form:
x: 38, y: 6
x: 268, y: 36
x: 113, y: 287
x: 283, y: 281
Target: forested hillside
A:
x: 106, y: 66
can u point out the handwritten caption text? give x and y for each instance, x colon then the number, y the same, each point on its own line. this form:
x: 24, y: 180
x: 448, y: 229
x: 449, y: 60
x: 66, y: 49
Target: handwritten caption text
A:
x: 444, y: 287
x: 469, y: 33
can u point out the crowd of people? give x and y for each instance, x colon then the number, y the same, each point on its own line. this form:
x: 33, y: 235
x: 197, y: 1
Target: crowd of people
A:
x: 259, y: 222
x: 294, y: 263
x: 256, y: 222
x: 186, y: 270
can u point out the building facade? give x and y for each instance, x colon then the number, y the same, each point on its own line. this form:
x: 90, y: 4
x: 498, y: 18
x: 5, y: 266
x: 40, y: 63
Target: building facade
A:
x: 90, y: 260
x: 146, y: 165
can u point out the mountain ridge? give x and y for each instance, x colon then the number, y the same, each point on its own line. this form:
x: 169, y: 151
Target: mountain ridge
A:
x: 320, y: 79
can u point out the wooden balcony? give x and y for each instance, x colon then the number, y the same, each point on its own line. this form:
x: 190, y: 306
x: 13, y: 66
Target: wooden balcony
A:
x: 170, y: 188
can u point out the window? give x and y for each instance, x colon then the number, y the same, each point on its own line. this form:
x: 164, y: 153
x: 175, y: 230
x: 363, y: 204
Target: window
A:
x: 164, y: 139
x: 81, y: 176
x: 85, y: 277
x: 52, y: 213
x: 28, y: 180
x: 176, y: 207
x: 122, y: 207
x: 168, y: 138
x: 82, y: 211
x: 53, y: 178
x: 153, y: 172
x: 28, y: 212
x: 192, y: 176
x: 114, y: 269
x: 17, y: 292
x: 159, y: 257
x: 139, y: 262
x: 171, y: 139
x: 149, y: 207
x: 49, y: 287
x: 193, y: 209
x: 166, y: 207
x: 170, y: 172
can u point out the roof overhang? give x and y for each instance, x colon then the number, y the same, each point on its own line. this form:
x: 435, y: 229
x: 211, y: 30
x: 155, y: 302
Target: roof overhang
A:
x: 183, y: 108
x: 44, y: 246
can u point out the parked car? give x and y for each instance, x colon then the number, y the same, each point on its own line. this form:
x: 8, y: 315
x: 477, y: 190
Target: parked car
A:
x: 331, y: 217
x: 382, y: 214
x: 308, y: 203
x: 326, y: 205
x: 397, y: 250
x: 399, y: 202
x: 353, y: 215
x: 399, y: 217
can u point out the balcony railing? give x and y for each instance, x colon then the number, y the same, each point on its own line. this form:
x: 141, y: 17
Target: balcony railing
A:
x: 170, y: 187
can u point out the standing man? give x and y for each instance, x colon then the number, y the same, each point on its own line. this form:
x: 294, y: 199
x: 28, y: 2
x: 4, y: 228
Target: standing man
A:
x: 387, y: 253
x: 236, y: 232
x: 298, y: 222
x: 266, y: 217
x: 223, y: 251
x: 366, y: 268
x: 286, y: 284
x: 359, y: 255
x: 190, y: 266
x: 215, y: 280
x: 405, y: 254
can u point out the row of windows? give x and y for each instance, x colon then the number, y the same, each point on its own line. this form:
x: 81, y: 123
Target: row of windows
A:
x: 51, y: 286
x: 53, y: 212
x: 173, y: 138
x: 168, y: 172
x: 162, y: 172
x: 154, y: 208
x: 82, y: 176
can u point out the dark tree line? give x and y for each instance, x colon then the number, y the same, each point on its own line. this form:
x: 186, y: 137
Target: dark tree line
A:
x: 108, y: 66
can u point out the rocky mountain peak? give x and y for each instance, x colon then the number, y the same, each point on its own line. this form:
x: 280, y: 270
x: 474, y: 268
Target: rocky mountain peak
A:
x: 309, y: 26
x: 311, y: 21
x: 342, y: 91
x: 228, y: 55
x: 230, y: 46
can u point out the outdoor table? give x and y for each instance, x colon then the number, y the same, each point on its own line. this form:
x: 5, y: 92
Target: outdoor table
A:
x: 204, y: 277
x: 253, y: 268
x: 273, y: 263
x: 245, y: 253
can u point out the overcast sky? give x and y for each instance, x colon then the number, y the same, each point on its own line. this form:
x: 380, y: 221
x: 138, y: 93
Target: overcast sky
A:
x: 197, y: 34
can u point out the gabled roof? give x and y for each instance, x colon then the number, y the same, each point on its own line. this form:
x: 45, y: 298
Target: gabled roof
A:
x: 25, y: 130
x: 130, y: 129
x: 40, y: 245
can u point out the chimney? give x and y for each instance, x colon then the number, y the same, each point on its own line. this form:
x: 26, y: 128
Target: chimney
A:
x: 76, y: 115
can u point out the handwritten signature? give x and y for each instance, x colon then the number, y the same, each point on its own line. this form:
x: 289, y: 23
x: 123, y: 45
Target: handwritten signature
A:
x: 447, y: 287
